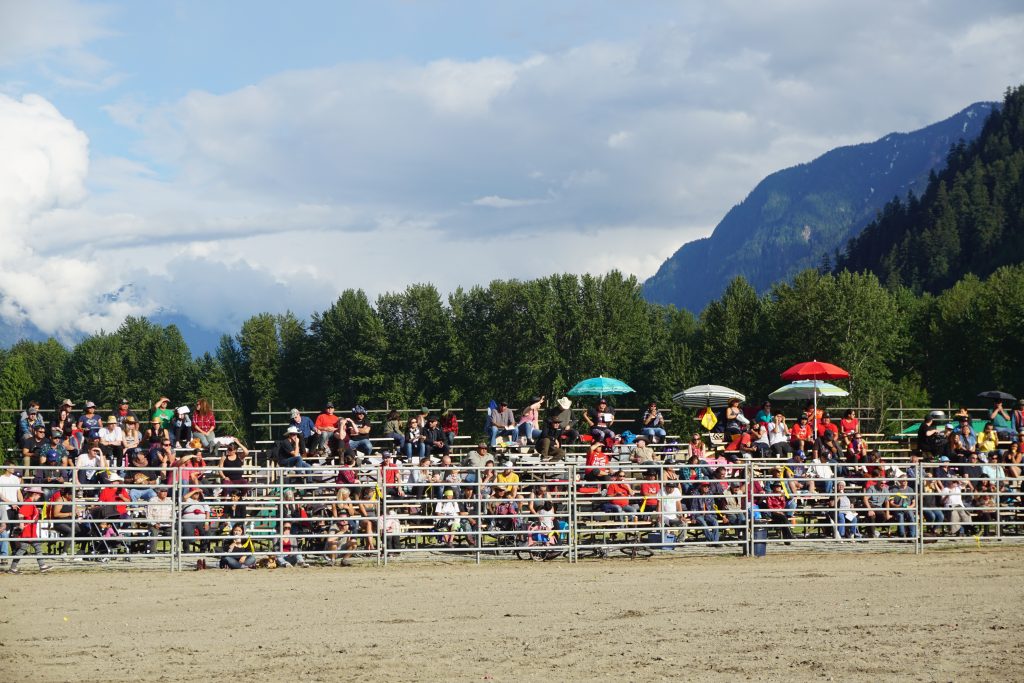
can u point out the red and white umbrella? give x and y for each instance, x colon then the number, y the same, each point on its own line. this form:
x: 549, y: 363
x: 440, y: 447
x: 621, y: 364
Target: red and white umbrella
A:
x: 814, y: 370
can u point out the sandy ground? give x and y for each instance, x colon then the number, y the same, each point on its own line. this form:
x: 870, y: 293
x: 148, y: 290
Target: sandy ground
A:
x: 943, y: 616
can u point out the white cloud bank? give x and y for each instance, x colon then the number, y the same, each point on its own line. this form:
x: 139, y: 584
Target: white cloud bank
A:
x: 378, y: 174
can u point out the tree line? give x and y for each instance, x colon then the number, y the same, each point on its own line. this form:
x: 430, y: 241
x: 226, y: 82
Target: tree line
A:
x: 513, y: 339
x: 969, y: 219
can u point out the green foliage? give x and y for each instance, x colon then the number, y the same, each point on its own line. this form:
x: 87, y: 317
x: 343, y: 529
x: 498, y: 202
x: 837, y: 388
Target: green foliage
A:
x: 970, y: 218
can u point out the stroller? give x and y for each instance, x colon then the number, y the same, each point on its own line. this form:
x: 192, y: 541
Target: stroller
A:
x: 97, y: 539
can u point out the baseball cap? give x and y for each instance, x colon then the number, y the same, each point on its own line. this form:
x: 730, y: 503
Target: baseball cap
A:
x: 89, y: 404
x: 329, y: 405
x: 295, y: 412
x: 33, y: 410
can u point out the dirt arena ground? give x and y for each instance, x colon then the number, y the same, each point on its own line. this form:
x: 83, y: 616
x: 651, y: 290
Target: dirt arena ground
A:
x: 943, y: 616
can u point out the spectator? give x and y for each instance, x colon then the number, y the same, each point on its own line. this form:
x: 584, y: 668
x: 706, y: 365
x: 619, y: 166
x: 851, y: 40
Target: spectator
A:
x: 358, y: 429
x: 901, y: 504
x: 764, y: 416
x: 926, y: 435
x: 731, y: 506
x: 29, y: 421
x: 289, y: 555
x: 28, y: 536
x: 778, y: 437
x: 340, y: 539
x: 123, y: 412
x: 597, y: 463
x: 237, y: 549
x: 875, y: 504
x: 30, y: 444
x: 564, y: 411
x: 529, y: 420
x: 450, y: 425
x: 642, y: 453
x: 160, y: 518
x: 162, y: 412
x: 112, y: 441
x: 549, y: 444
x: 501, y: 422
x: 61, y: 515
x: 618, y: 494
x: 963, y: 442
x: 448, y: 518
x: 702, y: 511
x: 289, y: 450
x: 822, y: 475
x: 508, y: 480
x: 761, y: 441
x: 734, y: 418
x: 132, y: 437
x: 696, y: 445
x: 232, y: 468
x: 800, y: 436
x: 326, y: 426
x: 204, y: 426
x: 433, y: 438
x: 600, y: 419
x: 10, y: 499
x: 1001, y: 421
x: 849, y: 424
x: 653, y: 423
x: 778, y: 511
x: 846, y: 522
x: 91, y: 466
x: 1012, y: 469
x: 307, y: 431
x: 672, y: 510
x: 988, y: 441
x: 155, y: 434
x: 415, y: 441
x: 953, y: 501
x: 63, y: 420
x: 181, y: 427
x: 1017, y: 418
x: 394, y: 430
x: 650, y: 489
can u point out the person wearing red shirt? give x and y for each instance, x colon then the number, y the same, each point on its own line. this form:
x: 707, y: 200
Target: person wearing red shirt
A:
x: 800, y: 435
x: 776, y: 504
x: 326, y: 425
x: 113, y: 499
x: 390, y: 476
x: 827, y: 425
x: 618, y: 493
x: 204, y: 422
x: 650, y: 489
x: 29, y: 543
x: 849, y: 424
x: 597, y: 463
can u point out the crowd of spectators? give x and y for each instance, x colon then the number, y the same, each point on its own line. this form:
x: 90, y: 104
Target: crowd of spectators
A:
x: 352, y: 495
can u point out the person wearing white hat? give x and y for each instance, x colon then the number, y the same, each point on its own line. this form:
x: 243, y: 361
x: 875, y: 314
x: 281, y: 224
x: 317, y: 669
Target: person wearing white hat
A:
x: 290, y: 449
x: 112, y: 440
x: 181, y: 427
x: 564, y: 413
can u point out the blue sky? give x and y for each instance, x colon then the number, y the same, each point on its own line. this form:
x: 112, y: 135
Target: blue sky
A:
x: 213, y: 160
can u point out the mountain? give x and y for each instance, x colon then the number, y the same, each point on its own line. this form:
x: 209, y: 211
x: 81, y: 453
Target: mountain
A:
x: 796, y: 217
x: 970, y: 218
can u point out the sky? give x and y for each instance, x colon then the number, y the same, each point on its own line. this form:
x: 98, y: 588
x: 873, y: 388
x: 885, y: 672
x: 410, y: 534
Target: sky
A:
x: 216, y: 160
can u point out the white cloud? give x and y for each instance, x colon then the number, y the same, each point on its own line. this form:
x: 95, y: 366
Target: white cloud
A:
x: 375, y: 174
x: 45, y: 162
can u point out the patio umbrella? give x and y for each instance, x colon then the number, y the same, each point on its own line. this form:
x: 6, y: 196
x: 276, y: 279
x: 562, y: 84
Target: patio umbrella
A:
x: 814, y: 370
x: 806, y: 388
x: 601, y: 386
x: 706, y: 396
x: 997, y: 396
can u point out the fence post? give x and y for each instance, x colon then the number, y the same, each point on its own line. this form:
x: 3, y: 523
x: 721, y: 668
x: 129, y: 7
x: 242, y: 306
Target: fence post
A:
x: 382, y: 537
x: 573, y: 541
x: 176, y: 524
x: 748, y: 474
x: 919, y: 496
x: 479, y: 514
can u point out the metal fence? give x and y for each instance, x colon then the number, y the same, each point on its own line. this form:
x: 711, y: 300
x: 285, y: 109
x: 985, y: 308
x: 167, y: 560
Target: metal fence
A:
x: 336, y: 515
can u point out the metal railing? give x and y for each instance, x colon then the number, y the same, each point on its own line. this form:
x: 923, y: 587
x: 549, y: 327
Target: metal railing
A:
x: 327, y: 515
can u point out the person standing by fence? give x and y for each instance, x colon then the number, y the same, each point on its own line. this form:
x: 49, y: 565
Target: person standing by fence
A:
x: 28, y: 536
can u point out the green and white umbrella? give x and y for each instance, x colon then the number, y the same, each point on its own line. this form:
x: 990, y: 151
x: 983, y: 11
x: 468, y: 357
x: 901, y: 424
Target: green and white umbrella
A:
x: 806, y: 389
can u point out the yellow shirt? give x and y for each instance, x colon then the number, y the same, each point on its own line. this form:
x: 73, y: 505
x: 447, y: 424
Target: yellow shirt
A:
x: 987, y: 442
x: 511, y: 478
